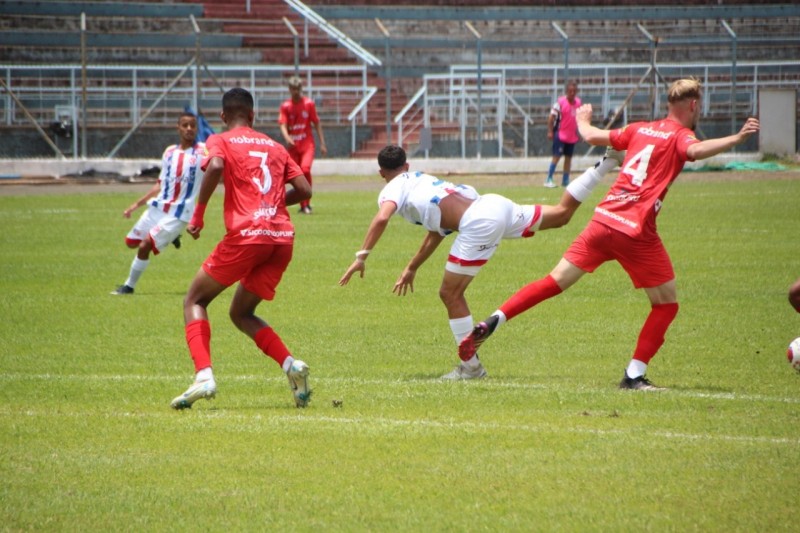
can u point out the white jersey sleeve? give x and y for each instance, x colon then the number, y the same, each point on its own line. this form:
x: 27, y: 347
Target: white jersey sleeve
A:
x: 417, y: 196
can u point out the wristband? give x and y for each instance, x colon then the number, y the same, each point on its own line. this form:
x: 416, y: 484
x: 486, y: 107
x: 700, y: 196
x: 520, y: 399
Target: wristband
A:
x: 197, y: 216
x: 360, y: 253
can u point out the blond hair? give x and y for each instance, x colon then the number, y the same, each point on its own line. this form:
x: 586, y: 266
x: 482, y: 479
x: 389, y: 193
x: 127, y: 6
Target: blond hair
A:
x: 295, y: 82
x: 683, y: 89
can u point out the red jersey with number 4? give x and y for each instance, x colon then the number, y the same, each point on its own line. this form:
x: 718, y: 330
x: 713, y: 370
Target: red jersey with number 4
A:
x: 298, y: 118
x: 656, y: 153
x: 255, y: 175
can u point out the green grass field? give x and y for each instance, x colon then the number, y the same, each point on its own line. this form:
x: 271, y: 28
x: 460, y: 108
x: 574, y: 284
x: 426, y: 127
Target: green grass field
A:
x: 546, y: 443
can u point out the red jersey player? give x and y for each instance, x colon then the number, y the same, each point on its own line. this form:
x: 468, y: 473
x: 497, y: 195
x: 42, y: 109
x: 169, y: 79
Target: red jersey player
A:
x: 256, y: 248
x: 296, y: 116
x: 623, y: 227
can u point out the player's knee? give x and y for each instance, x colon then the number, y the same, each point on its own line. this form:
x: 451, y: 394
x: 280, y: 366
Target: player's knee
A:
x: 794, y: 296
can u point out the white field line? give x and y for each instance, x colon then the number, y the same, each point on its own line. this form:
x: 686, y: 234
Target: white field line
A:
x: 401, y: 383
x: 380, y: 424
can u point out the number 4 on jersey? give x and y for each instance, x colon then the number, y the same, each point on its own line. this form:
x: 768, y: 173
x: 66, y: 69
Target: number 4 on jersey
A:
x: 636, y: 167
x: 266, y: 185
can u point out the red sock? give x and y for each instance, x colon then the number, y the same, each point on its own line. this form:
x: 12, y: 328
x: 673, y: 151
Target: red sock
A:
x: 655, y: 327
x: 198, y: 337
x: 530, y: 295
x: 272, y: 345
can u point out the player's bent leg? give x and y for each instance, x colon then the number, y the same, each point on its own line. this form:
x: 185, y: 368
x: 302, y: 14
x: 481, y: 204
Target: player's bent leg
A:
x: 202, y: 292
x: 794, y: 295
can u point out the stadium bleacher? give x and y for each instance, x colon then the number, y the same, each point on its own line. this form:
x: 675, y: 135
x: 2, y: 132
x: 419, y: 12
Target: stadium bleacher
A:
x: 425, y: 37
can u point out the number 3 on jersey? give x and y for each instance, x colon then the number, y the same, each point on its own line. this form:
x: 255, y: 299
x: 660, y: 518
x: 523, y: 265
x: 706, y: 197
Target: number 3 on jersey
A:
x: 636, y: 167
x: 266, y: 185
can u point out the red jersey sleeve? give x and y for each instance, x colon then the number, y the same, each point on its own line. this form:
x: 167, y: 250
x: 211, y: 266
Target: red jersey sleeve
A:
x: 622, y: 136
x: 283, y: 117
x: 214, y: 148
x: 686, y: 138
x: 311, y: 107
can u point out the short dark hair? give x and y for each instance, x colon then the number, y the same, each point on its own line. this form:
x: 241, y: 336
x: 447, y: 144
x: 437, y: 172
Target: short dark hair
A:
x: 237, y: 101
x: 186, y: 114
x: 391, y: 157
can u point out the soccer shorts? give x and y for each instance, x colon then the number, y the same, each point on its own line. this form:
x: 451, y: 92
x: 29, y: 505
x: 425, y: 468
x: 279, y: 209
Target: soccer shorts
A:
x: 304, y: 157
x: 161, y: 227
x: 562, y: 148
x: 490, y: 219
x: 259, y: 267
x: 644, y: 258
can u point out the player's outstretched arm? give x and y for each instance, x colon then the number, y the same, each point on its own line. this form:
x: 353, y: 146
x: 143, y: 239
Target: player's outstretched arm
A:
x: 591, y: 134
x: 143, y: 200
x: 376, y: 229
x: 712, y: 147
x: 213, y: 173
x: 406, y: 280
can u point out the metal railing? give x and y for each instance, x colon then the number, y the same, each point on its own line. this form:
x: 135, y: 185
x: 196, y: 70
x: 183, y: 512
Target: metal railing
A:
x: 119, y: 95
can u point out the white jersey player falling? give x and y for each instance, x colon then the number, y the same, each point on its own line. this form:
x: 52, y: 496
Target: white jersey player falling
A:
x: 490, y: 219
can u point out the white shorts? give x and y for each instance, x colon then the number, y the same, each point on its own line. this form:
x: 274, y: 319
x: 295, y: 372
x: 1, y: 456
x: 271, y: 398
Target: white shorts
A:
x: 490, y: 219
x: 162, y: 228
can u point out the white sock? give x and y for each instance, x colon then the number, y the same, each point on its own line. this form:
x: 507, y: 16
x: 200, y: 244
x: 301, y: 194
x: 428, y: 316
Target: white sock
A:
x: 137, y: 269
x: 287, y: 364
x: 472, y: 362
x: 205, y: 374
x: 501, y: 318
x: 461, y: 327
x: 635, y: 369
x: 581, y: 187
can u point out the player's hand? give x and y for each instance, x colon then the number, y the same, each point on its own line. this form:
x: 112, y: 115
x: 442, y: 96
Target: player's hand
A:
x: 550, y: 135
x: 194, y: 231
x: 356, y: 266
x: 750, y: 127
x: 127, y: 212
x: 584, y: 113
x: 404, y: 282
x: 323, y: 149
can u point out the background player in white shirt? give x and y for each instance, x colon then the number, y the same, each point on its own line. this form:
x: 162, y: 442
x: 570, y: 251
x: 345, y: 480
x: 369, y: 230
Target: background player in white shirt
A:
x: 170, y: 201
x: 481, y: 221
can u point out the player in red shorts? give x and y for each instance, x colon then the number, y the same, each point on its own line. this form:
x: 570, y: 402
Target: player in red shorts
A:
x: 296, y: 116
x: 623, y: 227
x: 256, y: 248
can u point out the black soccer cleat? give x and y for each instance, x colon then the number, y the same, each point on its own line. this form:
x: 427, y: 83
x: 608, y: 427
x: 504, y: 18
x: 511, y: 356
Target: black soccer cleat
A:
x: 640, y: 383
x: 177, y: 242
x: 122, y: 289
x: 482, y: 331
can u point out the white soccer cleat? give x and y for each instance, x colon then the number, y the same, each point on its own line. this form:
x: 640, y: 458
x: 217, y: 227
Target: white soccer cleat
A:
x: 199, y: 390
x: 462, y: 371
x: 298, y: 382
x: 616, y: 155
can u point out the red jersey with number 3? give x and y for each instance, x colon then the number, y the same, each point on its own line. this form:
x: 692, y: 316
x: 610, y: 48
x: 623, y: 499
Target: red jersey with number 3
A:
x: 255, y: 175
x: 656, y: 153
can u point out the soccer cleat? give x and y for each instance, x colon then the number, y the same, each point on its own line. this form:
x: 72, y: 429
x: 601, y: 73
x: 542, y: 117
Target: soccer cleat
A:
x: 618, y: 156
x: 122, y: 289
x: 199, y: 390
x: 565, y: 182
x: 462, y: 371
x: 306, y: 210
x: 550, y: 184
x: 177, y: 242
x: 482, y: 331
x: 298, y: 382
x: 640, y: 383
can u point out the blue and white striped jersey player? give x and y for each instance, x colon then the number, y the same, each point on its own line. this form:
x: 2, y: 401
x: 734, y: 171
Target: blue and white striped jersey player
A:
x: 170, y: 202
x: 481, y: 222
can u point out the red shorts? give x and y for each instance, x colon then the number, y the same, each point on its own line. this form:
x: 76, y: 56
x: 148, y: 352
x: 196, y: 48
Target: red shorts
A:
x: 259, y: 267
x: 644, y: 258
x: 304, y: 157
